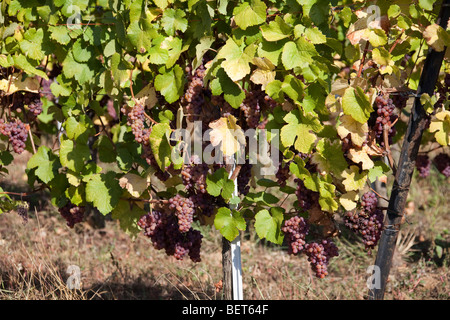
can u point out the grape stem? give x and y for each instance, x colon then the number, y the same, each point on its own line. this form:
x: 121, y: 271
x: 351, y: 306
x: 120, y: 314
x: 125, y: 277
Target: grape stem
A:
x: 363, y: 59
x: 135, y: 101
x: 236, y: 172
x: 387, y: 148
x: 32, y: 141
x: 379, y: 195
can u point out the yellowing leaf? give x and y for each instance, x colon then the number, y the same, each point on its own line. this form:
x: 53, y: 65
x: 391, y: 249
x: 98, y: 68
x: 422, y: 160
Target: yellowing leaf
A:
x: 353, y: 180
x: 147, y: 96
x: 441, y: 125
x: 134, y: 184
x: 361, y: 156
x: 226, y: 133
x: 265, y: 72
x: 357, y: 130
x: 348, y: 200
x: 436, y: 37
x: 14, y: 83
x: 236, y: 63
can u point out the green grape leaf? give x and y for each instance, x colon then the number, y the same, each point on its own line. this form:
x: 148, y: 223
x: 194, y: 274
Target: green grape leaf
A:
x: 250, y: 14
x: 160, y: 144
x: 171, y: 84
x: 120, y: 70
x: 128, y: 214
x: 276, y: 30
x: 73, y: 156
x: 229, y: 223
x: 81, y: 51
x: 21, y: 62
x: 237, y: 61
x: 441, y: 126
x: 173, y: 20
x: 378, y: 170
x: 329, y: 157
x: 353, y: 179
x: 356, y: 104
x: 106, y: 150
x: 60, y: 34
x: 79, y: 131
x: 31, y: 45
x: 46, y: 164
x: 218, y: 184
x: 232, y: 93
x: 298, y: 133
x: 427, y: 4
x: 268, y: 225
x: 103, y: 191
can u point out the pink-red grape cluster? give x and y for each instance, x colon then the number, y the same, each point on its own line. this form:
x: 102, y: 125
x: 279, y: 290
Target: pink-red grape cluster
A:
x: 193, y: 98
x: 367, y: 221
x: 443, y: 90
x: 295, y: 230
x: 442, y: 163
x: 423, y: 165
x: 22, y: 211
x: 251, y: 107
x: 164, y: 232
x: 243, y: 179
x: 205, y: 202
x: 194, y: 176
x: 306, y: 198
x: 384, y: 117
x: 17, y: 133
x: 184, y: 210
x: 319, y: 255
x: 72, y: 213
x: 136, y: 120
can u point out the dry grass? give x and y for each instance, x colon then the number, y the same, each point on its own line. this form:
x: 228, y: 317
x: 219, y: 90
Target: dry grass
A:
x: 34, y: 259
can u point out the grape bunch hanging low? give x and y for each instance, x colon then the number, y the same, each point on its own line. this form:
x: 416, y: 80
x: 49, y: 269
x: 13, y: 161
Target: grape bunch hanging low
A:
x: 423, y: 165
x: 72, y: 213
x: 17, y: 133
x: 367, y: 221
x: 295, y: 230
x: 442, y: 163
x: 319, y: 255
x: 164, y: 232
x: 383, y: 117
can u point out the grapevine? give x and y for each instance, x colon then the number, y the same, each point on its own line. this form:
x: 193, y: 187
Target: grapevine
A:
x: 324, y: 90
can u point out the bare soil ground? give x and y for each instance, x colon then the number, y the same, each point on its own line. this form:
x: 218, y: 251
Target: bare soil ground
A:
x: 35, y: 258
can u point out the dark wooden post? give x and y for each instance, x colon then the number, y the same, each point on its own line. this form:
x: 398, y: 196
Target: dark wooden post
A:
x: 417, y: 124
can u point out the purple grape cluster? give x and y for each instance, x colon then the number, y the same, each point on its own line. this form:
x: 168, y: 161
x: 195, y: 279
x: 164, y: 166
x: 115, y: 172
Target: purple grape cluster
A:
x: 295, y: 230
x: 205, y: 202
x: 400, y: 100
x: 306, y: 198
x: 17, y: 133
x: 251, y: 107
x: 319, y: 255
x: 194, y: 176
x: 243, y: 178
x: 282, y: 174
x: 136, y: 120
x: 72, y: 213
x: 442, y: 163
x: 184, y: 210
x: 194, y: 99
x: 163, y: 230
x: 443, y: 90
x: 423, y: 165
x: 384, y: 116
x: 22, y: 211
x: 367, y: 221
